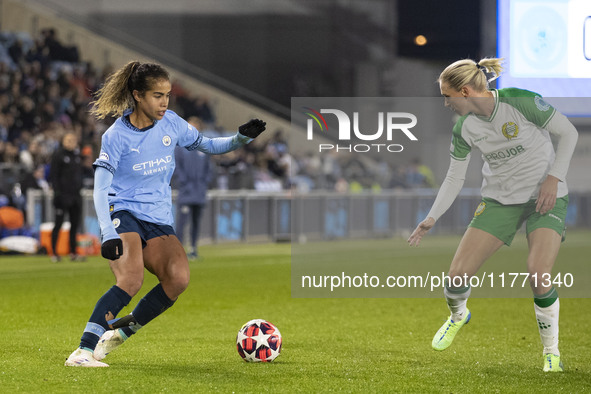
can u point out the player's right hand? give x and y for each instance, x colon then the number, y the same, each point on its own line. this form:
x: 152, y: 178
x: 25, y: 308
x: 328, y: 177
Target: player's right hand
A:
x: 422, y: 228
x: 112, y: 249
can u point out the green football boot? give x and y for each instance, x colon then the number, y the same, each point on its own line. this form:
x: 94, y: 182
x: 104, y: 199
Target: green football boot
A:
x: 446, y: 334
x: 552, y: 363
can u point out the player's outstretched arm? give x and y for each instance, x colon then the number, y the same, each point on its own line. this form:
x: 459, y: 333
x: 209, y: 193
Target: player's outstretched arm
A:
x: 449, y: 190
x: 215, y: 146
x: 422, y: 228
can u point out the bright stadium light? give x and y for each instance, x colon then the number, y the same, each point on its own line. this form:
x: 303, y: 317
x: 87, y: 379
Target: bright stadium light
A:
x: 420, y: 40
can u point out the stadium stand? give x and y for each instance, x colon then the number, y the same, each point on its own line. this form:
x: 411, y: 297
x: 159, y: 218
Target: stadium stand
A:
x: 45, y: 90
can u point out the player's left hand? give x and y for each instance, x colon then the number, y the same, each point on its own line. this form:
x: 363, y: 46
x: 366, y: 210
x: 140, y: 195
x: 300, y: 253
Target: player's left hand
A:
x: 252, y: 128
x: 112, y: 249
x: 547, y: 195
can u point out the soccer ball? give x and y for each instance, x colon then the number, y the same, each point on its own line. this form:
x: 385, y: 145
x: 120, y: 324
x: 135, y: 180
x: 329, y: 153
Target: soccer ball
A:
x: 258, y: 341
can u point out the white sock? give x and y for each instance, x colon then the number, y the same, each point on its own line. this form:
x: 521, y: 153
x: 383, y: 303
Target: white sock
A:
x: 457, y: 298
x: 547, y: 318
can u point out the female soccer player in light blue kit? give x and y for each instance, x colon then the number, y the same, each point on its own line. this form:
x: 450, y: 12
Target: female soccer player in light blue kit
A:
x: 132, y: 198
x: 524, y: 181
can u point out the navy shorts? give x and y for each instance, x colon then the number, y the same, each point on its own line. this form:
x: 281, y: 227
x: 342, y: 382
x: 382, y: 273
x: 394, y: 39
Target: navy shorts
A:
x: 125, y: 222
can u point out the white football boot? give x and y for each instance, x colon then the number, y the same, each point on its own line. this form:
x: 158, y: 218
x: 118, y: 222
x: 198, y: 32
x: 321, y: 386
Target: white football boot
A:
x: 110, y: 340
x: 83, y: 358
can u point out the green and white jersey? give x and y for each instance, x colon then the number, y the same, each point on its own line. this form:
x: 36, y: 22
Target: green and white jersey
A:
x: 516, y: 149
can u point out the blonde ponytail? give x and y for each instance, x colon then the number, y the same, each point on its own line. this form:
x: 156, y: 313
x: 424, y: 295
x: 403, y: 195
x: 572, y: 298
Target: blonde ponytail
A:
x: 468, y: 72
x: 492, y: 66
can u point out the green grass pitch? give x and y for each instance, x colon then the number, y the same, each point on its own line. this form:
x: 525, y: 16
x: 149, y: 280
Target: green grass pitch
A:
x: 337, y: 344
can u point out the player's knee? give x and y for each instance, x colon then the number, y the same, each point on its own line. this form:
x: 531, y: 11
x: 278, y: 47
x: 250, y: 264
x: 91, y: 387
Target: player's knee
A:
x: 131, y: 284
x: 177, y: 282
x: 182, y: 281
x: 537, y: 278
x: 175, y: 287
x: 457, y: 278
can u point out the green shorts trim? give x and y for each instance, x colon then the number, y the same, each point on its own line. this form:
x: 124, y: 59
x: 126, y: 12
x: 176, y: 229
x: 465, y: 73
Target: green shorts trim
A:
x: 503, y: 221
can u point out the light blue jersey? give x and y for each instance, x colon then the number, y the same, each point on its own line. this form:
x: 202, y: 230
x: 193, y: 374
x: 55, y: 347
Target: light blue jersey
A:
x: 142, y: 163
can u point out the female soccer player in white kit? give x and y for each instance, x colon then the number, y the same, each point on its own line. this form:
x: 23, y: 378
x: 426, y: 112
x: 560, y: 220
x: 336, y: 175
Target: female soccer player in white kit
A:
x: 524, y: 181
x: 132, y: 198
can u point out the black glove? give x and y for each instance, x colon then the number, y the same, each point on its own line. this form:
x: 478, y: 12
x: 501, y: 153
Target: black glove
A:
x: 253, y: 128
x: 112, y: 249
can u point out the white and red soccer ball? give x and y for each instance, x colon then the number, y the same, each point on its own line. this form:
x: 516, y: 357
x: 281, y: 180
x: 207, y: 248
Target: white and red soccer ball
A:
x: 258, y: 341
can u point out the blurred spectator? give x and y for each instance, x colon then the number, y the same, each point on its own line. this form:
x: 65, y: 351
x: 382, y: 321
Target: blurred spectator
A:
x: 398, y: 178
x: 331, y: 170
x: 193, y: 106
x: 311, y: 166
x: 383, y: 173
x: 66, y: 181
x: 353, y: 168
x: 289, y: 166
x: 278, y: 141
x: 355, y: 185
x: 236, y: 170
x: 341, y: 185
x: 203, y: 110
x: 9, y: 153
x: 87, y: 169
x: 279, y: 162
x: 192, y: 176
x: 271, y: 156
x: 35, y: 180
x: 419, y: 175
x: 17, y: 197
x: 57, y: 51
x: 263, y: 179
x: 16, y: 51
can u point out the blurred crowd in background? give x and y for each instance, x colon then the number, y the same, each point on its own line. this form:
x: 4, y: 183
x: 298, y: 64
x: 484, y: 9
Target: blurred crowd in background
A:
x: 45, y: 91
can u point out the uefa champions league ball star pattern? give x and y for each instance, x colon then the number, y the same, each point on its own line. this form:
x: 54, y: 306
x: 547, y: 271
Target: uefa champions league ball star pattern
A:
x: 258, y: 341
